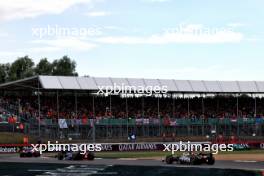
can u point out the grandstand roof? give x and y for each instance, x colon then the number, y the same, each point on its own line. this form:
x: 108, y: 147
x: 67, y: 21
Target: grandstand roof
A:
x: 93, y: 84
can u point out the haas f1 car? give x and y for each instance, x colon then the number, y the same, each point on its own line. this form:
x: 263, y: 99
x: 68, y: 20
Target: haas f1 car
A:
x: 28, y: 153
x: 191, y: 159
x: 75, y: 156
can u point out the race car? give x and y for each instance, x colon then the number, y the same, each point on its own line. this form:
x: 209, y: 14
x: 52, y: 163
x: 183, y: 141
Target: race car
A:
x: 28, y: 153
x: 191, y: 159
x: 75, y: 156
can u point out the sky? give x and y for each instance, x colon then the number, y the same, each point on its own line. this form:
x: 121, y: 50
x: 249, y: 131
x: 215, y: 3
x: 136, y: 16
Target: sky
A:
x: 169, y: 39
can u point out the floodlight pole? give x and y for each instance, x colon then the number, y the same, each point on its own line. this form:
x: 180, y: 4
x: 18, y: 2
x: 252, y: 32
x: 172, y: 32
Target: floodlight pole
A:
x: 158, y: 106
x: 202, y: 105
x: 173, y: 105
x: 237, y: 106
x: 93, y: 121
x: 76, y: 109
x: 159, y: 115
x: 58, y: 111
x: 58, y: 107
x: 93, y: 107
x: 203, y: 114
x: 127, y: 114
x: 188, y: 100
x: 237, y: 117
x: 142, y: 101
x: 217, y: 104
x: 76, y: 104
x: 38, y: 110
x: 126, y: 107
x: 110, y: 104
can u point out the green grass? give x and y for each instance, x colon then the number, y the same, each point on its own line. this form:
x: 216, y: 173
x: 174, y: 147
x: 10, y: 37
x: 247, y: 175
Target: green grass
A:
x: 131, y: 154
x: 14, y: 138
x: 146, y: 154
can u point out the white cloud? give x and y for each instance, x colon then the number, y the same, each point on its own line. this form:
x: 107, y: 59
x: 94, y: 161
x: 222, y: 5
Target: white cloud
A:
x: 19, y: 9
x: 115, y: 28
x: 97, y: 13
x: 4, y: 54
x: 62, y: 44
x: 156, y: 0
x: 174, y: 37
x: 43, y: 49
x: 3, y: 34
x: 233, y: 25
x: 190, y: 33
x: 255, y: 38
x: 209, y: 72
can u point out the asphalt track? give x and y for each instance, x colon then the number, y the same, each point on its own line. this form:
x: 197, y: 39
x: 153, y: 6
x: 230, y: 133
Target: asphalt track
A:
x: 241, y: 165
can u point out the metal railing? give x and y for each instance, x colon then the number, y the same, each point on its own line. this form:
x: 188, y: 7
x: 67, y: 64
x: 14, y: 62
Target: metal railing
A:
x: 154, y: 122
x: 111, y: 128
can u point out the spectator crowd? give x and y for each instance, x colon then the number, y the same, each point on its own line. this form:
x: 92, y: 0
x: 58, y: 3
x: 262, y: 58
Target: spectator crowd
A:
x: 98, y: 107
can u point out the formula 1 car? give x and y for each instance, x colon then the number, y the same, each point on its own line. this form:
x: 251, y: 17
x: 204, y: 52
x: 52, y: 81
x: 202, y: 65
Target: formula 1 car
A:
x: 28, y: 153
x: 191, y: 159
x: 75, y: 156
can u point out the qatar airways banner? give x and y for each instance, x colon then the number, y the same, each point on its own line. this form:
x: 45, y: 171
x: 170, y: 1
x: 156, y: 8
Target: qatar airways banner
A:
x: 126, y: 147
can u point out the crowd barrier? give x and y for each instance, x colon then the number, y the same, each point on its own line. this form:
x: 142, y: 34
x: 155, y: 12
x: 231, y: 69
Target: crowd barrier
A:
x: 146, y: 121
x: 130, y: 147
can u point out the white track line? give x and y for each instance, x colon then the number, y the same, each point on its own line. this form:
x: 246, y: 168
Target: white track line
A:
x: 245, y: 161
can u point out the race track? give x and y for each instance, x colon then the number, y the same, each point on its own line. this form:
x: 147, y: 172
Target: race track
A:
x: 246, y: 165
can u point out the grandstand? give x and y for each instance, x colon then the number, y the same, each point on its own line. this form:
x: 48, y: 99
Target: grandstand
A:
x: 71, y: 107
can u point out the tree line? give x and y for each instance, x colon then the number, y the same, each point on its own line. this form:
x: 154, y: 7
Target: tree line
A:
x: 24, y: 67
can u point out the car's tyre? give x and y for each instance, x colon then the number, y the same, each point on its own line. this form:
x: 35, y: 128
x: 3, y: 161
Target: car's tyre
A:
x: 211, y: 161
x: 194, y: 161
x: 36, y: 154
x: 60, y: 156
x: 169, y: 159
x: 90, y: 156
x: 77, y: 156
x: 29, y: 154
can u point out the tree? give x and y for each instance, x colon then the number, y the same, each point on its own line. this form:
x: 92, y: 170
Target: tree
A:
x: 64, y: 66
x: 44, y: 67
x: 21, y: 68
x: 4, y: 72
